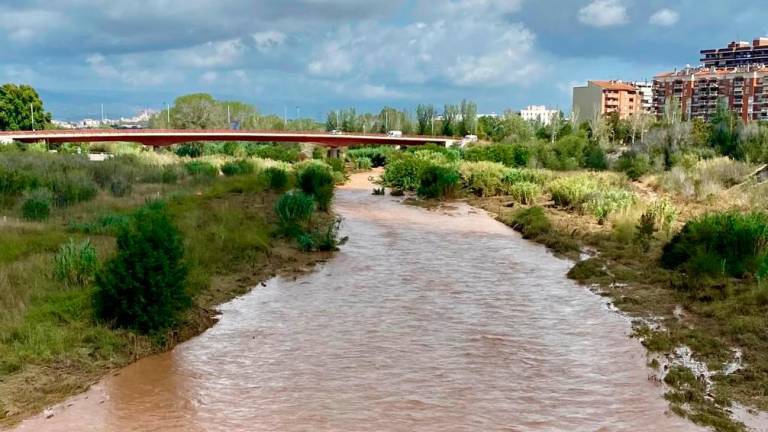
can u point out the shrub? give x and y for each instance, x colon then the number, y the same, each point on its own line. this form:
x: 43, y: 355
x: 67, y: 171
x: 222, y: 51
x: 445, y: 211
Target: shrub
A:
x: 201, y: 170
x: 634, y: 164
x: 71, y: 188
x: 294, y: 211
x: 324, y: 240
x: 192, y: 150
x: 317, y: 180
x: 277, y: 178
x: 438, y: 182
x: 590, y: 193
x: 517, y: 175
x: 594, y: 158
x: 170, y: 174
x: 721, y: 244
x: 37, y: 205
x: 525, y: 192
x: 143, y: 286
x: 377, y: 155
x: 483, y: 178
x: 336, y: 165
x: 235, y: 168
x: 278, y: 152
x: 513, y: 155
x: 601, y: 204
x: 403, y: 171
x: 531, y: 222
x: 663, y: 213
x: 76, y: 263
x: 363, y: 163
x: 120, y: 187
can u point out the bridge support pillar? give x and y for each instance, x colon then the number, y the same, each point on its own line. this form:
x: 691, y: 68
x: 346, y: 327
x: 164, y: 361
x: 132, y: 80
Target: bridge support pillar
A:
x: 333, y: 153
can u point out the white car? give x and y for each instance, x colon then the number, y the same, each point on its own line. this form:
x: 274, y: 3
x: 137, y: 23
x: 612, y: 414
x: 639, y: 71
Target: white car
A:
x: 337, y: 132
x: 395, y: 134
x: 470, y: 138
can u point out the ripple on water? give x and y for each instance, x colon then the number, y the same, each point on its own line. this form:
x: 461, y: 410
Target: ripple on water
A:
x: 425, y: 321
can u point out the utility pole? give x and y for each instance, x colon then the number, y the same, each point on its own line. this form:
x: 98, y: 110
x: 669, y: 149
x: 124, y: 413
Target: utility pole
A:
x: 102, y: 114
x: 32, y: 112
x: 229, y: 117
x: 386, y: 120
x: 432, y: 119
x: 167, y: 115
x: 285, y: 117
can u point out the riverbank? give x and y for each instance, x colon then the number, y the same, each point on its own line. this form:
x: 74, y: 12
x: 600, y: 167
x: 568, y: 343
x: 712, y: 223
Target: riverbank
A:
x: 681, y: 252
x: 710, y: 343
x: 51, y: 344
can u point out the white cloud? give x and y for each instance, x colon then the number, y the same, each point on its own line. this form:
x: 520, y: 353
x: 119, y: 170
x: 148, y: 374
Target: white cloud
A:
x: 483, y: 52
x: 604, y: 13
x: 210, y: 54
x: 127, y: 72
x: 332, y: 61
x: 28, y: 25
x: 664, y: 17
x: 209, y: 77
x: 268, y: 40
x: 370, y: 91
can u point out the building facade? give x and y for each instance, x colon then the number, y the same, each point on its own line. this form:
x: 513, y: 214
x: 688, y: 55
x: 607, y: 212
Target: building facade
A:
x: 697, y: 92
x: 645, y: 89
x: 737, y: 54
x: 600, y: 98
x: 539, y: 113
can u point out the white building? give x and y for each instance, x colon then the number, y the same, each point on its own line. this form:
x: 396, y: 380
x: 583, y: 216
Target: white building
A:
x: 539, y: 113
x: 645, y: 89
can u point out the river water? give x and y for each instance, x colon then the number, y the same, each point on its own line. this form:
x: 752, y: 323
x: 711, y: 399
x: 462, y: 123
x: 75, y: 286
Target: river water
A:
x: 427, y: 320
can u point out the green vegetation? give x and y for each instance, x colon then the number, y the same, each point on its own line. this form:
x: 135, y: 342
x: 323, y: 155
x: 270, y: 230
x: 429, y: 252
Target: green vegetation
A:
x: 143, y: 287
x: 317, y: 180
x: 294, y: 211
x: 438, y: 182
x: 103, y: 276
x: 721, y: 244
x: 76, y: 263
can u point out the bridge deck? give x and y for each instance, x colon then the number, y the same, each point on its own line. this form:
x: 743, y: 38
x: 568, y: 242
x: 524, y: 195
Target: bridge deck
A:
x: 165, y: 137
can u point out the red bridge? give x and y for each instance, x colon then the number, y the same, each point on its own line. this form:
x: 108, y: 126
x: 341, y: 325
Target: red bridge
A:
x: 165, y: 137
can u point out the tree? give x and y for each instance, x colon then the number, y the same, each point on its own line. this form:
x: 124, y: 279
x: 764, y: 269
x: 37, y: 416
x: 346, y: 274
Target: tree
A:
x: 18, y: 104
x: 468, y: 118
x: 725, y: 134
x: 143, y: 286
x: 198, y: 111
x: 450, y: 116
x: 425, y: 115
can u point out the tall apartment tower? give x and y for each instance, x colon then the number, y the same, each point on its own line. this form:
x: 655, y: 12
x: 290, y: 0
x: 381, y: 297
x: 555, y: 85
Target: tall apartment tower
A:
x: 736, y: 76
x: 599, y: 98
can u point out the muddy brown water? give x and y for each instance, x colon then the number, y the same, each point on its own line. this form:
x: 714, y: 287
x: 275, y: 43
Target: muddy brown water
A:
x: 427, y: 320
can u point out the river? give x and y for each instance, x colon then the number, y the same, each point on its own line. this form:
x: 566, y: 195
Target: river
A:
x: 426, y: 320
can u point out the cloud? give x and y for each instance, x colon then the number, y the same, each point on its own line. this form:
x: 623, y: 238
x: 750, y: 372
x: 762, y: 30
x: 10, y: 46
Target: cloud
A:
x: 209, y: 77
x: 604, y: 13
x: 268, y: 40
x: 126, y: 72
x: 489, y: 52
x: 664, y: 18
x: 23, y: 26
x: 370, y: 91
x: 211, y: 54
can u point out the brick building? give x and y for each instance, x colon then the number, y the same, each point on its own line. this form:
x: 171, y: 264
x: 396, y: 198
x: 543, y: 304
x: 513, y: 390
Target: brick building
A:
x: 606, y: 97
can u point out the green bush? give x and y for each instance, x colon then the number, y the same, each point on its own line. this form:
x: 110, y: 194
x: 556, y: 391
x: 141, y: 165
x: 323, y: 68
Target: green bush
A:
x: 484, y: 178
x: 120, y: 187
x: 170, y: 174
x: 721, y: 244
x: 192, y: 150
x: 594, y: 158
x: 76, y: 263
x: 71, y: 188
x: 531, y: 222
x: 317, y: 180
x: 238, y: 167
x: 278, y: 152
x: 37, y: 205
x: 277, y: 178
x: 377, y: 155
x: 403, y: 171
x: 294, y: 211
x: 590, y: 193
x: 513, y: 155
x: 439, y: 182
x: 634, y: 164
x: 201, y: 170
x: 525, y: 192
x: 324, y: 240
x: 143, y: 287
x: 336, y: 165
x: 363, y: 163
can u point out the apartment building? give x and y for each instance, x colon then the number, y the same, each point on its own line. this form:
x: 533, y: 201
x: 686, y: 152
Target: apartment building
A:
x: 737, y: 54
x: 539, y: 113
x: 645, y: 88
x: 698, y: 91
x: 599, y: 98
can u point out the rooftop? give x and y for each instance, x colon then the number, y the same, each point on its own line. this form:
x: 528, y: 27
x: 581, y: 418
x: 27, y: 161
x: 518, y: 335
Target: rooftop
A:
x: 614, y: 85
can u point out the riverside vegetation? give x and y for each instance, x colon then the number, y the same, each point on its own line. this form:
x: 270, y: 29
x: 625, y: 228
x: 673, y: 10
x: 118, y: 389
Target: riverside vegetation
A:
x: 102, y: 263
x: 674, y: 226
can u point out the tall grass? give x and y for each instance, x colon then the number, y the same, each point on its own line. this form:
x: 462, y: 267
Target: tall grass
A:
x: 721, y: 244
x: 591, y: 193
x: 76, y: 263
x: 439, y: 182
x: 483, y: 178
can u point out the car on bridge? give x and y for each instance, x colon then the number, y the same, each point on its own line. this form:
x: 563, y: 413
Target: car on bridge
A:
x: 395, y: 134
x: 336, y: 132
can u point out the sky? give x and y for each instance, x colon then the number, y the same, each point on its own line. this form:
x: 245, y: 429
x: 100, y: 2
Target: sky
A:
x: 308, y: 57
